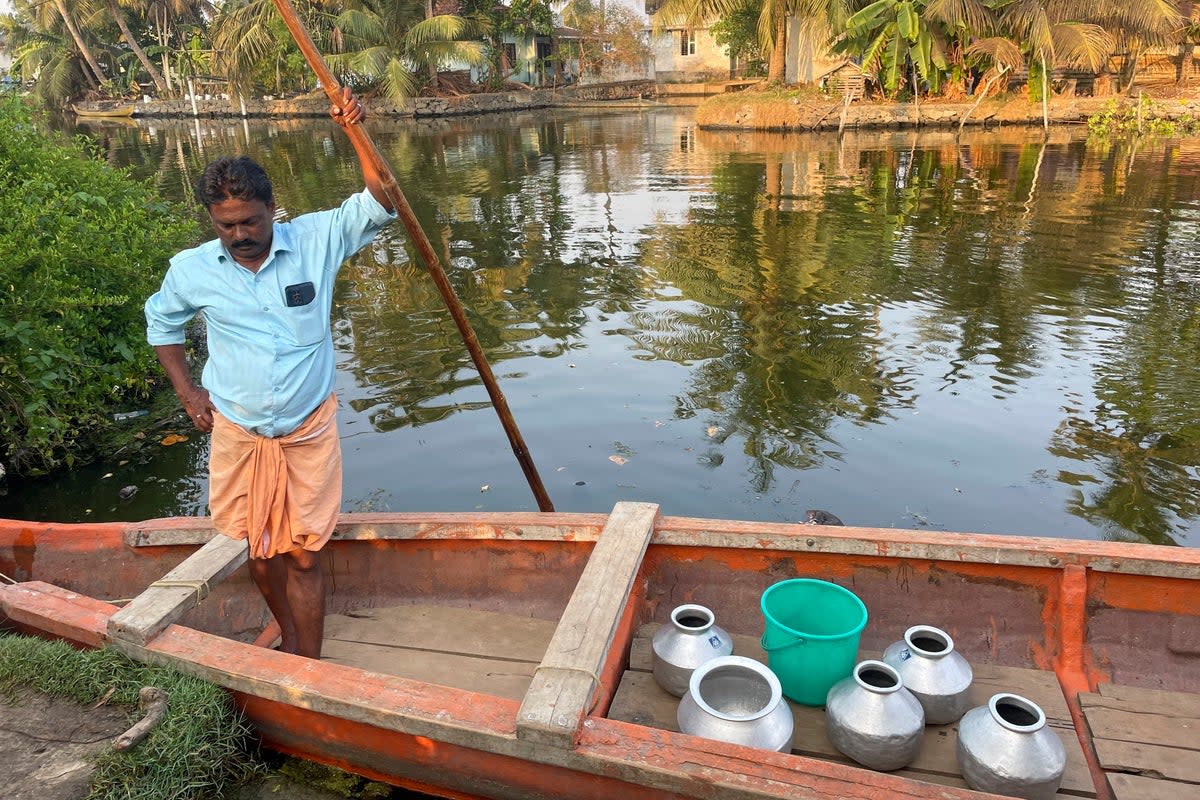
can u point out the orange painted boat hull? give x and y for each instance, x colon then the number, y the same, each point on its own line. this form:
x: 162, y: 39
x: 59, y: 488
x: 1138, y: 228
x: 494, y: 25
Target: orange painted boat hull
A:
x: 1092, y: 612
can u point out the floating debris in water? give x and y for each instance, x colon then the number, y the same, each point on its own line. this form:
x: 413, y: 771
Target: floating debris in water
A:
x: 618, y: 460
x: 127, y: 492
x: 815, y: 516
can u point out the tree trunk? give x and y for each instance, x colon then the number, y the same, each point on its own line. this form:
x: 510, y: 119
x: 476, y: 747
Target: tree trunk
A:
x: 1045, y: 96
x: 987, y: 87
x: 778, y: 63
x: 135, y: 47
x: 433, y: 71
x: 69, y: 21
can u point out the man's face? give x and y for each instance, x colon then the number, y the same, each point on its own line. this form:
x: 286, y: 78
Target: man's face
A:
x: 244, y: 227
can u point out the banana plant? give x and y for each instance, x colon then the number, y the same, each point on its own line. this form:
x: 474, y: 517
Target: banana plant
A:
x: 893, y: 37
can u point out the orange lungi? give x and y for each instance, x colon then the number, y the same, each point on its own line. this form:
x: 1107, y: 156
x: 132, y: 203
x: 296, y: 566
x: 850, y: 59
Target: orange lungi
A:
x: 282, y: 493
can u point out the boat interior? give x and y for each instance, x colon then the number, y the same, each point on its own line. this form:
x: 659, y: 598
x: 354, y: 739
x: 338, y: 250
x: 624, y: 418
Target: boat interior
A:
x: 1107, y: 646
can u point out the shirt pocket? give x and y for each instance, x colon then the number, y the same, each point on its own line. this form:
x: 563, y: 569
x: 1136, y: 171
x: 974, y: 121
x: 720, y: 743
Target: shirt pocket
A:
x: 307, y: 324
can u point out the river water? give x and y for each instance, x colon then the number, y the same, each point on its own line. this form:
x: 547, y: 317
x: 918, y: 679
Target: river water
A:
x: 996, y: 334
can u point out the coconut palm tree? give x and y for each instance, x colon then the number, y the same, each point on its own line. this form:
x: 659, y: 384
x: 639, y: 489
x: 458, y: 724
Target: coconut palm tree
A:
x: 1136, y: 25
x: 118, y: 16
x: 44, y: 12
x: 1045, y: 32
x: 50, y: 42
x: 251, y: 41
x: 384, y: 41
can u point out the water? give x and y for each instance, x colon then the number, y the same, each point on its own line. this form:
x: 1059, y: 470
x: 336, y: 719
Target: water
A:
x: 993, y: 335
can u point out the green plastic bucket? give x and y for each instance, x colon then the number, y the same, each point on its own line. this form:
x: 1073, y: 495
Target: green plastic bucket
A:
x: 811, y: 636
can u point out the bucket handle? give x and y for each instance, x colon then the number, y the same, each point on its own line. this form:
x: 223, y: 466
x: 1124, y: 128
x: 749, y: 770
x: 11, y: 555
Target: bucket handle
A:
x: 763, y: 642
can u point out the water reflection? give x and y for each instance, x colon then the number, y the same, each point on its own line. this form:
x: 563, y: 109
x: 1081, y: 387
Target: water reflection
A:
x: 994, y: 333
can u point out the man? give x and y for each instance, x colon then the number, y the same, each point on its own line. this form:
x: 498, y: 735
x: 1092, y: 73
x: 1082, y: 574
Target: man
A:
x: 265, y: 289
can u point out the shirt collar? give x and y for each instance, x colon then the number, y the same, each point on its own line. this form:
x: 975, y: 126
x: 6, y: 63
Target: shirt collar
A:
x: 281, y: 242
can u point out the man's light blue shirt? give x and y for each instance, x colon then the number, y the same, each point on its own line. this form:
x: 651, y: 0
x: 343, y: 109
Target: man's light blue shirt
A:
x: 270, y: 364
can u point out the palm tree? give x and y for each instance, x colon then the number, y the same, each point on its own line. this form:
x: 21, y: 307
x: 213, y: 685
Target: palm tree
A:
x: 1043, y: 31
x: 251, y: 40
x: 42, y: 12
x: 382, y: 41
x: 119, y: 16
x: 1136, y: 25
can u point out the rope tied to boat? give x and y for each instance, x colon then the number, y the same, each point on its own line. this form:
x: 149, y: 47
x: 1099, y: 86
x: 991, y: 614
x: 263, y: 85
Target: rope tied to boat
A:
x: 200, y: 587
x: 593, y: 695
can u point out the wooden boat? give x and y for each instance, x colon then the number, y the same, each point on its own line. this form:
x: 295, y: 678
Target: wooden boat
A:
x: 104, y: 108
x: 507, y: 655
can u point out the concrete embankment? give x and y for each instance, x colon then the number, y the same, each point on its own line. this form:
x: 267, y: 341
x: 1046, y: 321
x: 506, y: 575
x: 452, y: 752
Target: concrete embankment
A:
x: 315, y: 104
x: 762, y: 111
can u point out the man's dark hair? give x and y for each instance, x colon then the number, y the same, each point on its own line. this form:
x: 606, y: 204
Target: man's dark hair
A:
x: 232, y: 178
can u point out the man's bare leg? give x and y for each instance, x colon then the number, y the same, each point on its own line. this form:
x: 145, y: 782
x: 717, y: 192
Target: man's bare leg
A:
x: 270, y: 575
x: 306, y: 599
x: 293, y: 585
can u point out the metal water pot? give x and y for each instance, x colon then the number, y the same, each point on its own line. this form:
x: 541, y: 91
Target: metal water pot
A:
x: 690, y: 639
x: 873, y: 719
x: 933, y: 671
x: 1006, y: 748
x: 738, y: 700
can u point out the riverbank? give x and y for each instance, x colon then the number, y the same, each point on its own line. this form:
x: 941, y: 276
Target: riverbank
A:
x: 315, y: 104
x: 805, y: 109
x: 726, y: 106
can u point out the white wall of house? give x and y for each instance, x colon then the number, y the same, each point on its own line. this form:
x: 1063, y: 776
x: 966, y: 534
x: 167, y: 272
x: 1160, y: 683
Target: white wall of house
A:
x: 689, y: 56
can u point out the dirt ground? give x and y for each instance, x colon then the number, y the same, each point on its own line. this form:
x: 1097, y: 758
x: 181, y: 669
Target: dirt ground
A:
x: 46, y: 744
x: 46, y: 747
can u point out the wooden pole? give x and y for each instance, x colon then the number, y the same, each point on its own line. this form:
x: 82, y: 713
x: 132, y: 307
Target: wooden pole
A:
x: 357, y: 132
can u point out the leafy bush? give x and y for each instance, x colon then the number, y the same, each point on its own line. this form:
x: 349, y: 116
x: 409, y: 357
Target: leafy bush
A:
x: 1143, y: 118
x: 81, y: 247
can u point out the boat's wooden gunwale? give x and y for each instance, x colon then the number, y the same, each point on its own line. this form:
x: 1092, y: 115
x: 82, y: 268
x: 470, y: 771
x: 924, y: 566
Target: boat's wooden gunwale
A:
x: 994, y: 549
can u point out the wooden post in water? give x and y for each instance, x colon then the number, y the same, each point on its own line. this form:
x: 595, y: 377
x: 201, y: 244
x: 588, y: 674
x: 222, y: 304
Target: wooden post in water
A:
x: 359, y: 133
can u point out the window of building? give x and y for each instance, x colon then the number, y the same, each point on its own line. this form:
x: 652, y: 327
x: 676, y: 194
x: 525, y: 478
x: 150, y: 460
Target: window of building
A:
x: 510, y: 55
x: 687, y: 43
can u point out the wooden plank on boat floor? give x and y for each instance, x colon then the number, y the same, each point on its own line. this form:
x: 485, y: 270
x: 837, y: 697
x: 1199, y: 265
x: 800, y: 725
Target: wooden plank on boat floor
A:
x: 569, y: 675
x: 1137, y: 787
x: 1154, y: 761
x: 1145, y: 728
x: 464, y: 648
x: 1153, y: 701
x: 167, y: 599
x: 1150, y: 734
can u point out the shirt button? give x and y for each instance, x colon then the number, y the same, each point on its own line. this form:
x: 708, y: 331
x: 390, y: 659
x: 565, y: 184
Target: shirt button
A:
x: 266, y: 308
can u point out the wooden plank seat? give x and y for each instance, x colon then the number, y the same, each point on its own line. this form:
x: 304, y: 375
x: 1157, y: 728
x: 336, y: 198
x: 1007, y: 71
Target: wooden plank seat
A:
x: 464, y: 648
x: 166, y: 600
x: 640, y: 700
x: 1147, y: 741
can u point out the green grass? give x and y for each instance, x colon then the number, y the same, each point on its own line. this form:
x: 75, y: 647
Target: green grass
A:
x: 201, y: 748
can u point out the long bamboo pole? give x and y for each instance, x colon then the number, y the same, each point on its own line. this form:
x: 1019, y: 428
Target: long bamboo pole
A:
x: 357, y: 132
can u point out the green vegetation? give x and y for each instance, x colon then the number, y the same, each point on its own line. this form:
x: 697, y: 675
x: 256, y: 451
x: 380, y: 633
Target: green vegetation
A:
x: 333, y: 780
x: 198, y: 750
x: 1144, y: 118
x: 81, y: 247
